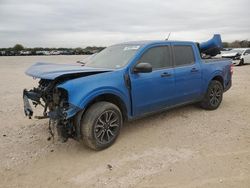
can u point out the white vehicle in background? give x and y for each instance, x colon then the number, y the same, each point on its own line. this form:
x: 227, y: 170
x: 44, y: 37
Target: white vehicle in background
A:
x: 25, y: 52
x: 245, y: 57
x: 240, y: 56
x: 55, y: 52
x: 42, y: 52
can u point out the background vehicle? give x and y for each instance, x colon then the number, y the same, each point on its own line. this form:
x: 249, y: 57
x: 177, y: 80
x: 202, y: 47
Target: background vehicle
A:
x: 124, y: 82
x: 240, y: 56
x: 245, y: 57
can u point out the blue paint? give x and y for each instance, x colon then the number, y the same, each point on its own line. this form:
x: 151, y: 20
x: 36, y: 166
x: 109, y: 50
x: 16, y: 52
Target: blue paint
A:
x: 50, y: 71
x: 149, y: 91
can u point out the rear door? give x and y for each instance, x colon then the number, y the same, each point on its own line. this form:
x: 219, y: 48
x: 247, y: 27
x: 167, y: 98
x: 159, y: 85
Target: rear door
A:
x: 155, y: 90
x: 187, y: 72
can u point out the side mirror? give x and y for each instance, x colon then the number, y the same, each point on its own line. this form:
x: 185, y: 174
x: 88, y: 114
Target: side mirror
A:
x: 142, y: 68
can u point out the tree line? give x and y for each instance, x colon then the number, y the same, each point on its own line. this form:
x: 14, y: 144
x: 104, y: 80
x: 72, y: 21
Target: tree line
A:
x: 19, y: 49
x: 237, y: 44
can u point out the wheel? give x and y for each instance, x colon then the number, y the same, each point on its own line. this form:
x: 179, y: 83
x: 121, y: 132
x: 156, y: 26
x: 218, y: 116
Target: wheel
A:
x: 213, y: 97
x: 241, y: 62
x: 101, y: 125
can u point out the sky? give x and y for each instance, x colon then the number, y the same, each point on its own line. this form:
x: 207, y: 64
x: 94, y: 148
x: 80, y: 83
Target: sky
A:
x: 81, y: 23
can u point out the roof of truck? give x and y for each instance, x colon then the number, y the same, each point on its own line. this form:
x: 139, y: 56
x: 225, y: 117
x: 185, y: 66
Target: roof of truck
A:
x: 146, y: 42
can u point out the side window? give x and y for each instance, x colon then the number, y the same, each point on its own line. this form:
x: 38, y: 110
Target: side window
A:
x: 158, y: 57
x: 183, y: 55
x: 247, y: 52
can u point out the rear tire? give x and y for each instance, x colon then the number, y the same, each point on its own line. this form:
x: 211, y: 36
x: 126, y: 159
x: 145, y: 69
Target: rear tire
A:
x: 101, y: 124
x: 213, y: 97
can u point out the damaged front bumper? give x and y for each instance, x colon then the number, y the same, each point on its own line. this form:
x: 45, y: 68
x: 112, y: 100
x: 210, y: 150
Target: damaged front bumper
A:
x: 56, y: 108
x: 56, y: 114
x: 236, y: 61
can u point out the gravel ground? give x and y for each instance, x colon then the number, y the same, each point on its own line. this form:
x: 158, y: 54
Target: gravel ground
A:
x: 183, y: 147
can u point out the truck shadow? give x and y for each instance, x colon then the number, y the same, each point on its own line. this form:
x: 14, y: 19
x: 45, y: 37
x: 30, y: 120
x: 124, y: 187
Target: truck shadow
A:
x: 157, y: 119
x: 132, y: 133
x: 132, y: 129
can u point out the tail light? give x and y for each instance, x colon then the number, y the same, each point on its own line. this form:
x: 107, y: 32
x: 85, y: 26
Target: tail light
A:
x: 231, y: 69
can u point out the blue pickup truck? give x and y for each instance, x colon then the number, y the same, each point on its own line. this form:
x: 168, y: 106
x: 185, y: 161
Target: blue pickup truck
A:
x: 90, y: 102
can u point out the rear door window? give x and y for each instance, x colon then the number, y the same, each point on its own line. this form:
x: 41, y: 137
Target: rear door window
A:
x: 183, y: 55
x: 158, y: 57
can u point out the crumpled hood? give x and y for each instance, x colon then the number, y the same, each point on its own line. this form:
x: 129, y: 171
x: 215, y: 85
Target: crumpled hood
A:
x: 51, y: 71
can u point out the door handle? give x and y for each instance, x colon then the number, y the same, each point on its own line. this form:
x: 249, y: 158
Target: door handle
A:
x: 194, y: 70
x: 166, y: 74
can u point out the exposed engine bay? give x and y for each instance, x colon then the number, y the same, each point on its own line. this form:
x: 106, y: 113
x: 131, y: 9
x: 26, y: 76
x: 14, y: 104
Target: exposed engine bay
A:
x: 54, y: 102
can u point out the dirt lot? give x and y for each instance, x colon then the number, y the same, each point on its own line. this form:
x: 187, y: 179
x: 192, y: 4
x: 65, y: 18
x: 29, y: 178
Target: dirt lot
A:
x: 184, y: 147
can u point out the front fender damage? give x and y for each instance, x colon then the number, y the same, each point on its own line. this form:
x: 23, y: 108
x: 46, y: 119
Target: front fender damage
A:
x: 53, y: 99
x: 55, y: 107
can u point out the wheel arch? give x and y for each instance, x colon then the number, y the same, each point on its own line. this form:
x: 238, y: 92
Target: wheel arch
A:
x: 112, y: 98
x: 216, y: 75
x: 219, y: 78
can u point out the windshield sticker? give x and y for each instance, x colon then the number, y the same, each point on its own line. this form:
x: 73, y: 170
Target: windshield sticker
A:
x: 131, y: 48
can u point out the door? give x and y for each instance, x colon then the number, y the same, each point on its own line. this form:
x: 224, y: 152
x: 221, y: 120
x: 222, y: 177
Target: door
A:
x: 187, y: 73
x: 247, y: 56
x: 155, y: 90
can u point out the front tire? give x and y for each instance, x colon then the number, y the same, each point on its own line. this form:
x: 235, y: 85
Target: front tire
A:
x: 213, y: 97
x: 101, y: 125
x: 241, y: 62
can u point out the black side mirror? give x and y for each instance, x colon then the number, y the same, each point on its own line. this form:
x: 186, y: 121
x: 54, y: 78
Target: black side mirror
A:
x: 142, y: 68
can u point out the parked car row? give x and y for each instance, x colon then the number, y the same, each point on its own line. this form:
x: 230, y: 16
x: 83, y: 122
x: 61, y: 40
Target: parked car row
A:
x: 46, y: 52
x: 240, y: 56
x: 54, y: 52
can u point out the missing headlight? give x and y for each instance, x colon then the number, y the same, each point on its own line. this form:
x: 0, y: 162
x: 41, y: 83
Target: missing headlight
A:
x: 60, y: 98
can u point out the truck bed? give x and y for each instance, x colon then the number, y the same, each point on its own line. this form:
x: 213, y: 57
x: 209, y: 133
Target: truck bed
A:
x: 214, y: 59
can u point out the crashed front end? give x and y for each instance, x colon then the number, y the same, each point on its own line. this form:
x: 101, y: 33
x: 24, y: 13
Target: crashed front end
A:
x: 236, y: 57
x: 64, y: 117
x: 56, y: 107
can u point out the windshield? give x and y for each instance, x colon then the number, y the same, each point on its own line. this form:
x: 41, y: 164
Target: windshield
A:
x: 113, y: 57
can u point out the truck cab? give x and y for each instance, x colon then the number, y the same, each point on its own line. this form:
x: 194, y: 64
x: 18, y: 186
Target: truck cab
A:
x: 167, y: 84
